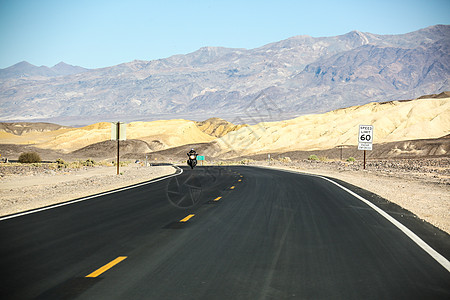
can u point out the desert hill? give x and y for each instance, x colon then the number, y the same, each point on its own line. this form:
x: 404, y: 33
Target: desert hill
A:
x: 170, y: 133
x: 423, y: 148
x: 27, y: 127
x: 393, y: 121
x: 109, y: 148
x: 175, y: 154
x: 217, y: 127
x: 32, y: 137
x: 445, y: 94
x: 94, y: 139
x: 403, y: 123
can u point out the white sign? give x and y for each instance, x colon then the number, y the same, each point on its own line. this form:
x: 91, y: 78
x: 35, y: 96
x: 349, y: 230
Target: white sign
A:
x: 364, y: 146
x: 122, y: 131
x: 365, y: 137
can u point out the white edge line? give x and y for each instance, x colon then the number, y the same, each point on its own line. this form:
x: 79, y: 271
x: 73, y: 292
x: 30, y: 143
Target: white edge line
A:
x: 90, y: 197
x: 427, y: 248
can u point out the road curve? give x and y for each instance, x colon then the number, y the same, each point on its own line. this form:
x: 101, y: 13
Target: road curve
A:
x: 217, y: 233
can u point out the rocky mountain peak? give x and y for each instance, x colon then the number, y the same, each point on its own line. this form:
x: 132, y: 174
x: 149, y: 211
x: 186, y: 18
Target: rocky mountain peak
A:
x: 24, y: 70
x: 299, y: 75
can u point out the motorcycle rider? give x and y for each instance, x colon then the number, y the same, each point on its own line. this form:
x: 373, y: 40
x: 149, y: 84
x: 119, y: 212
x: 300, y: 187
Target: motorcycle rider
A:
x: 192, y: 152
x: 192, y: 158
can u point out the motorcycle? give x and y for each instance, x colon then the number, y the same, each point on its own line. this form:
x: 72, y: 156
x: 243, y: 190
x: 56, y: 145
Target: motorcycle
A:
x: 192, y: 161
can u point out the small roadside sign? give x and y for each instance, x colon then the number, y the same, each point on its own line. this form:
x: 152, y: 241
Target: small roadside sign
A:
x: 200, y: 157
x: 365, y: 137
x: 365, y: 146
x: 118, y: 133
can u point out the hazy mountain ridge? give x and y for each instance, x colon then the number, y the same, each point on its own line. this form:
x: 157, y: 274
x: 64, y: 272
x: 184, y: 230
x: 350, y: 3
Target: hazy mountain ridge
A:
x: 298, y: 75
x: 25, y: 69
x: 21, y: 128
x: 379, y: 72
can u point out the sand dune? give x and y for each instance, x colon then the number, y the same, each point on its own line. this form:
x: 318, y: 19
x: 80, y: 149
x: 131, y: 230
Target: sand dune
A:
x: 392, y: 121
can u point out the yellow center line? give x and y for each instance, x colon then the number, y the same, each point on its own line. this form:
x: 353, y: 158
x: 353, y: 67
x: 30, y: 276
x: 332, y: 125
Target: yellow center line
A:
x: 107, y: 267
x: 239, y: 180
x: 218, y: 198
x: 187, y: 218
x: 232, y: 188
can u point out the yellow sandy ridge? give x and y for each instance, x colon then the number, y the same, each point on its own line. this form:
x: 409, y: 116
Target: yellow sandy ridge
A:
x: 393, y: 121
x: 171, y: 133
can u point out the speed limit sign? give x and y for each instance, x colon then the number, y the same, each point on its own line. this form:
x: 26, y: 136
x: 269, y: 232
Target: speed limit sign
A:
x: 365, y: 137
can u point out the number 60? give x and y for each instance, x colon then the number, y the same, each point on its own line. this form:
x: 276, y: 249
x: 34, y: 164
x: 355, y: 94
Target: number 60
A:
x: 365, y: 137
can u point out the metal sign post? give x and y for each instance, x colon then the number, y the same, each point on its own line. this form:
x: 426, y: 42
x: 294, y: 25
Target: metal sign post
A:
x: 340, y: 147
x: 364, y: 159
x: 365, y: 139
x: 118, y: 133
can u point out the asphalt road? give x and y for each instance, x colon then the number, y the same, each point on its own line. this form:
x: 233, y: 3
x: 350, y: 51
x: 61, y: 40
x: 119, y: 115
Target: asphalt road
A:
x: 216, y: 233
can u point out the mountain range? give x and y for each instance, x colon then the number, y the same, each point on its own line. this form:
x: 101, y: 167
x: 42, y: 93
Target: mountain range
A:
x: 296, y: 76
x: 26, y: 70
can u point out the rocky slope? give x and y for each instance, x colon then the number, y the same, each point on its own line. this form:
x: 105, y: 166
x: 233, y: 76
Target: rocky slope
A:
x: 217, y: 127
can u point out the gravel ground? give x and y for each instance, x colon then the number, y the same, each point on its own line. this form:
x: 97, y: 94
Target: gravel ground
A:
x: 25, y: 187
x: 420, y: 186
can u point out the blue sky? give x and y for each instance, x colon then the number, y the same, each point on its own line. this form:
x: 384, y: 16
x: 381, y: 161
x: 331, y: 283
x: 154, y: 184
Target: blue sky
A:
x: 97, y: 34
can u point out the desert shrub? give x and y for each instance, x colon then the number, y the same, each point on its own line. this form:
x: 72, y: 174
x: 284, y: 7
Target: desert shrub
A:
x: 323, y: 158
x: 61, y: 163
x: 104, y: 163
x: 351, y: 159
x: 89, y: 163
x: 313, y: 157
x: 76, y: 164
x: 243, y: 162
x: 29, y: 157
x: 285, y: 160
x: 122, y: 164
